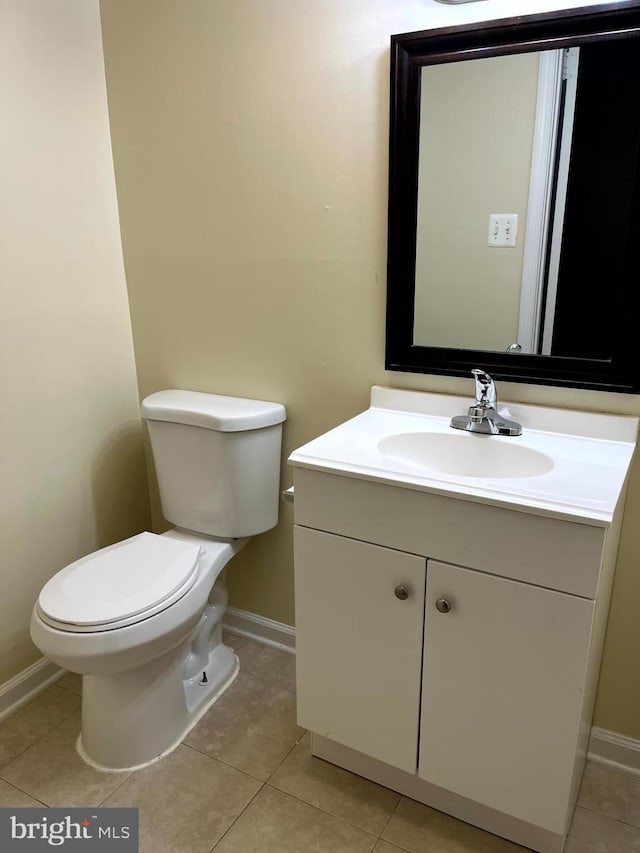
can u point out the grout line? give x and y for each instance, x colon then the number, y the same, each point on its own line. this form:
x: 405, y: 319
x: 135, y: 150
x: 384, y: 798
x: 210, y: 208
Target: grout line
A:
x: 395, y: 809
x: 67, y: 689
x: 261, y: 680
x: 306, y: 802
x: 221, y: 761
x: 282, y: 761
x: 57, y: 726
x: 264, y: 680
x: 323, y: 811
x: 31, y: 745
x: 396, y: 846
x: 604, y: 814
x: 248, y: 658
x: 270, y: 683
x: 263, y: 650
x: 237, y: 818
x: 319, y: 808
x: 117, y: 788
x: 26, y: 793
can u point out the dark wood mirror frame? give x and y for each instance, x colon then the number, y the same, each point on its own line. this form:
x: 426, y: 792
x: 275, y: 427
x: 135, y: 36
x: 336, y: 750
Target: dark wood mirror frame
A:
x: 410, y: 52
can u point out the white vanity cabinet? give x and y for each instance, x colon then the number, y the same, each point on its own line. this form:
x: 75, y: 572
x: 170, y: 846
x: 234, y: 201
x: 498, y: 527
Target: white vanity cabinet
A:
x: 485, y: 701
x: 502, y: 691
x: 353, y: 686
x: 449, y: 635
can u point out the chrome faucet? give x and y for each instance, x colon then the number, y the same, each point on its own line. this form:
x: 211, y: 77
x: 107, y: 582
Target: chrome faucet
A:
x: 483, y: 417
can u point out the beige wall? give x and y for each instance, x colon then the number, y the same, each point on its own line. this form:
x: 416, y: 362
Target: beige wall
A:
x: 476, y: 139
x: 250, y: 144
x: 72, y: 468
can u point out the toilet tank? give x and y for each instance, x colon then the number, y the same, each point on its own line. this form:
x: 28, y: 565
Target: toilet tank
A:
x: 217, y: 461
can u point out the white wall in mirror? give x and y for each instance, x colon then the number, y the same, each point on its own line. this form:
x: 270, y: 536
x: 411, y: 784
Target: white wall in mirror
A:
x: 476, y: 140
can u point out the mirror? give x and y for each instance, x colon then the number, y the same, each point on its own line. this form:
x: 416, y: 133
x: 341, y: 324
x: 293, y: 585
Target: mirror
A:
x: 514, y: 194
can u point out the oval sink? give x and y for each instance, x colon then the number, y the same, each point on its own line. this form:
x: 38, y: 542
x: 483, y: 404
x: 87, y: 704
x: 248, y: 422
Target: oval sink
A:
x: 464, y: 455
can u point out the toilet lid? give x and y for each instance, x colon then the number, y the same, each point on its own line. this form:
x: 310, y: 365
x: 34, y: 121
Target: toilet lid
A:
x: 136, y: 577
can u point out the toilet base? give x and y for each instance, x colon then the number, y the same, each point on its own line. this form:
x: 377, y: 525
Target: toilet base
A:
x: 133, y: 719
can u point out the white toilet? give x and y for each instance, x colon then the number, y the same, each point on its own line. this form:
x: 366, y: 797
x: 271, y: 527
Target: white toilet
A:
x: 142, y: 619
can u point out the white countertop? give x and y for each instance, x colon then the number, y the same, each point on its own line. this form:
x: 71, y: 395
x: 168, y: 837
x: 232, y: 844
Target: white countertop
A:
x: 591, y: 454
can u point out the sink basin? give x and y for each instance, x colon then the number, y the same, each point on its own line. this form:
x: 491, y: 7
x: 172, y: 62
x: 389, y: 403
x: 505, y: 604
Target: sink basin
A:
x: 462, y: 455
x: 569, y: 465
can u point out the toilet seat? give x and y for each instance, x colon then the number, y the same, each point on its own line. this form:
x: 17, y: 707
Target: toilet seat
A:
x: 119, y: 585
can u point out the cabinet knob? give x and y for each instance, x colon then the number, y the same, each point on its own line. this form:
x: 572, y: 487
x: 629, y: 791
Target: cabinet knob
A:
x: 442, y: 605
x: 402, y: 593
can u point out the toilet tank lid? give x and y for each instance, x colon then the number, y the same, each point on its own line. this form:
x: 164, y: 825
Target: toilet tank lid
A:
x: 211, y: 411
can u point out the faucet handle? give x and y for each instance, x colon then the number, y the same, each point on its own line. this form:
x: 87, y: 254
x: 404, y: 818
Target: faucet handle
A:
x: 485, y: 388
x: 476, y: 414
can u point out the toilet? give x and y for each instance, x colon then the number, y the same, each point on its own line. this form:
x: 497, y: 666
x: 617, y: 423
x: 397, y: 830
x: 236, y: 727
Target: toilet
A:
x: 141, y: 620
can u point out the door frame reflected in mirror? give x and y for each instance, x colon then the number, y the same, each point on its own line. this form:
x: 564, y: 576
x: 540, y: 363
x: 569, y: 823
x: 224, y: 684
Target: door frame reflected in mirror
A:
x: 410, y: 53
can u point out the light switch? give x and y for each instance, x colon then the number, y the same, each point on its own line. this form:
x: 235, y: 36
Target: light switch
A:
x: 503, y: 230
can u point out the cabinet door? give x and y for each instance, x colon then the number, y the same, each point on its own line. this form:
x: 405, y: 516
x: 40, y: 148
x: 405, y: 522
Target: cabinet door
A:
x: 359, y: 646
x: 503, y: 678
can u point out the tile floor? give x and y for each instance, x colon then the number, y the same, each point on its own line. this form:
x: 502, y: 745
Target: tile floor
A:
x: 244, y: 781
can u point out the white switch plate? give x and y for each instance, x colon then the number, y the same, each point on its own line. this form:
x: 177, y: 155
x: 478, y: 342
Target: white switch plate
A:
x: 503, y: 230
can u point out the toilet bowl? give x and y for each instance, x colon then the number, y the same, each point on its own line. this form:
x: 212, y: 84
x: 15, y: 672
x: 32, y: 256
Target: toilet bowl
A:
x: 141, y: 620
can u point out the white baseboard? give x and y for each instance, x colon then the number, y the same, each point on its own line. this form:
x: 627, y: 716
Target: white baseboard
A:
x: 616, y: 751
x: 259, y: 628
x: 26, y: 685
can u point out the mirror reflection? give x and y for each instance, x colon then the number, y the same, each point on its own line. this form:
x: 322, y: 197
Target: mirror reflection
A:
x: 525, y: 193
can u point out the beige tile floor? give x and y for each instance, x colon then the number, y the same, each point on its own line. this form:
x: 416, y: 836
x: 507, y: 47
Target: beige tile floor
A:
x: 244, y: 781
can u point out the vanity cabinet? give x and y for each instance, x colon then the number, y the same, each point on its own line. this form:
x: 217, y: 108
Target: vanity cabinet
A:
x: 360, y: 648
x: 502, y: 690
x: 450, y: 617
x: 450, y: 678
